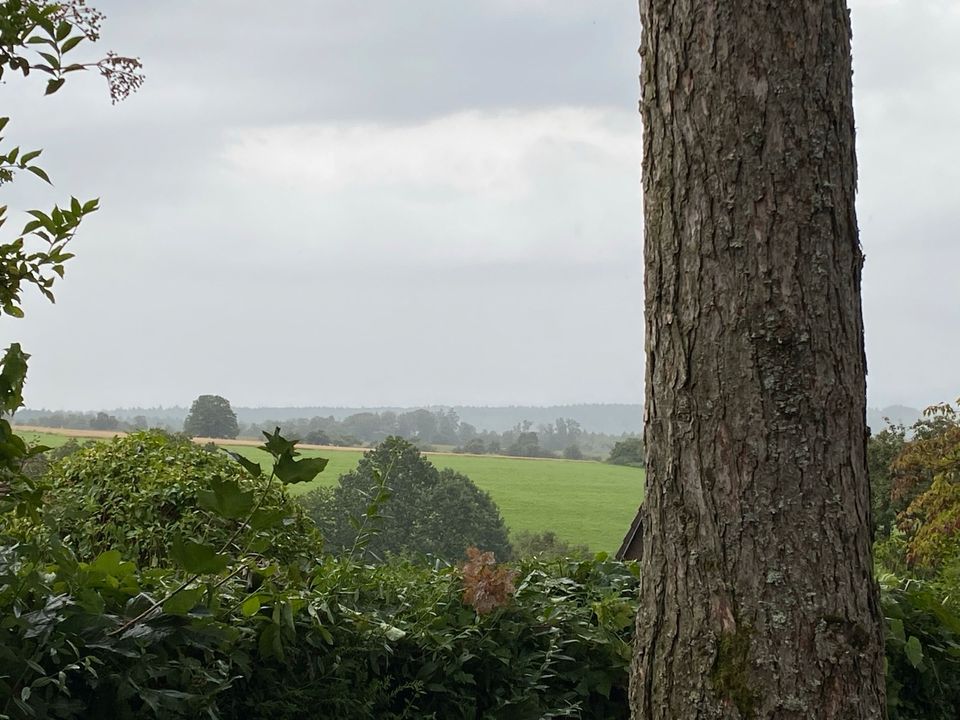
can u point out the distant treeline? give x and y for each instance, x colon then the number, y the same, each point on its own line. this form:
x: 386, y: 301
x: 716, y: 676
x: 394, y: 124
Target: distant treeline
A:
x: 611, y: 419
x: 561, y: 437
x: 428, y: 428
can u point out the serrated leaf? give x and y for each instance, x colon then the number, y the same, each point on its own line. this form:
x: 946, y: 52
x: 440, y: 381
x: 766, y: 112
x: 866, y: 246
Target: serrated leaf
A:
x: 277, y: 445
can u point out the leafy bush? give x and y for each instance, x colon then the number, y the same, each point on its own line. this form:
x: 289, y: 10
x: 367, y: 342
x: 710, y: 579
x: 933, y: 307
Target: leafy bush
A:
x: 545, y: 546
x: 401, y: 643
x: 139, y: 494
x: 923, y: 652
x: 347, y: 641
x: 402, y: 505
x: 38, y: 465
x: 628, y: 452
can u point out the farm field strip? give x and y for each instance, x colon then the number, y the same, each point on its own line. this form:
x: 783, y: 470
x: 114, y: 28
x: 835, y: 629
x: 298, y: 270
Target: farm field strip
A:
x: 584, y: 502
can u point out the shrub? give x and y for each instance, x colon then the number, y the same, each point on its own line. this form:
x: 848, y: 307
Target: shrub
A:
x: 38, y: 465
x: 139, y: 493
x: 628, y: 452
x: 404, y: 644
x: 573, y: 452
x: 923, y: 652
x: 545, y: 546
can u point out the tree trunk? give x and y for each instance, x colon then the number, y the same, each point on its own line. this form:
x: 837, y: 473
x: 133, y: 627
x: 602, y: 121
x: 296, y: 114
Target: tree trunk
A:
x: 758, y: 599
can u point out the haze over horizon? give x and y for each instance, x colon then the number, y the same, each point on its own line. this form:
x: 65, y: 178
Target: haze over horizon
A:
x: 434, y: 204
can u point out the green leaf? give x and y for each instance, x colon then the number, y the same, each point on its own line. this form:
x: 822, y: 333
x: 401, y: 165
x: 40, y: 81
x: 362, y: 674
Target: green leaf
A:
x: 54, y: 85
x: 251, y: 606
x: 183, y: 602
x: 197, y: 558
x: 292, y: 471
x: 914, y: 651
x: 393, y: 633
x: 63, y: 31
x: 277, y: 445
x: 112, y: 563
x: 13, y: 373
x: 896, y: 629
x: 265, y: 518
x: 40, y: 173
x: 249, y: 465
x: 71, y: 43
x: 226, y: 498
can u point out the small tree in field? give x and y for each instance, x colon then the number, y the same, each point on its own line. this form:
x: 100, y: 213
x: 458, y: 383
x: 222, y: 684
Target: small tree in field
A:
x: 211, y: 416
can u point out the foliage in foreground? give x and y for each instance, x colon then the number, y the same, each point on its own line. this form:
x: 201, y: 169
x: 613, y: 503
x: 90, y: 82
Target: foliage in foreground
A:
x: 352, y: 641
x: 142, y: 493
x: 923, y: 652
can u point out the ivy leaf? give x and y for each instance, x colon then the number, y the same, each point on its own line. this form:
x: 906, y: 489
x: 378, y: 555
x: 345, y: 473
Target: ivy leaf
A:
x: 197, y: 558
x: 914, y: 651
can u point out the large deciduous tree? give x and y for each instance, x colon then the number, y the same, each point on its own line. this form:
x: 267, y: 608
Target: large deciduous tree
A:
x: 757, y: 596
x: 211, y: 416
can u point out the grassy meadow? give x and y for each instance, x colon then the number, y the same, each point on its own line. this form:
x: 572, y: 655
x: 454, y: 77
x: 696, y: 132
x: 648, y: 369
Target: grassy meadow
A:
x: 584, y: 502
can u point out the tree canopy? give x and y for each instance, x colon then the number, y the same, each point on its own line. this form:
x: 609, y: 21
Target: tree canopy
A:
x: 419, y: 509
x: 211, y: 416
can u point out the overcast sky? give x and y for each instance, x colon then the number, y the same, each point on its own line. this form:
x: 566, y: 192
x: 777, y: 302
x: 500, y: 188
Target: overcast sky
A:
x: 333, y: 202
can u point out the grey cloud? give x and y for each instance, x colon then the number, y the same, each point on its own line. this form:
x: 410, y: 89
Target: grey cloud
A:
x: 439, y: 291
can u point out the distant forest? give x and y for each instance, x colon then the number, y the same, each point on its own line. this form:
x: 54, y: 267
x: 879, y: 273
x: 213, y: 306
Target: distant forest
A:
x: 609, y: 419
x: 572, y: 431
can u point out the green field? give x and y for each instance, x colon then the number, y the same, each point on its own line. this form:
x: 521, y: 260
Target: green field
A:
x: 583, y: 502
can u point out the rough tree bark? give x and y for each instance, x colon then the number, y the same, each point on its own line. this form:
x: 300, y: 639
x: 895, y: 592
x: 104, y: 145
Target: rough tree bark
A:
x: 757, y: 598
